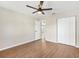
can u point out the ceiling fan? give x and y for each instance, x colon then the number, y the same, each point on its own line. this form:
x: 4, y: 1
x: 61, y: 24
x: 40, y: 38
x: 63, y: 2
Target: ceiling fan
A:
x: 39, y: 9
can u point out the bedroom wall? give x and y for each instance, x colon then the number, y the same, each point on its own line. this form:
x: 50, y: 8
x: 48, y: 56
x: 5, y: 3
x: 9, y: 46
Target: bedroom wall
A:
x: 50, y: 28
x: 15, y: 28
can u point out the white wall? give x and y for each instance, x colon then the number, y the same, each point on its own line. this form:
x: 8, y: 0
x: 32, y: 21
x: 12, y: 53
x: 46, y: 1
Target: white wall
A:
x: 15, y: 28
x: 51, y: 28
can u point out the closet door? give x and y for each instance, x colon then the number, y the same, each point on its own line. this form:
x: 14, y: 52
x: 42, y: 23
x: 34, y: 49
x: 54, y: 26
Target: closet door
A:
x: 66, y: 30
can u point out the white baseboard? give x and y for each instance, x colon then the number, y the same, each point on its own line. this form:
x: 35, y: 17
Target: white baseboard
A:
x: 62, y: 43
x: 24, y: 43
x: 52, y: 41
x: 77, y: 46
x: 15, y: 45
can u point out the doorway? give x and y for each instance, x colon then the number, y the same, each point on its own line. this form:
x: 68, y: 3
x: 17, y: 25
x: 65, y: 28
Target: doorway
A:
x: 37, y: 29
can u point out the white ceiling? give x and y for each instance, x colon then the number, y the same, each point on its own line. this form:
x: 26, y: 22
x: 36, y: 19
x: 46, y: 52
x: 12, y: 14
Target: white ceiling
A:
x: 58, y: 6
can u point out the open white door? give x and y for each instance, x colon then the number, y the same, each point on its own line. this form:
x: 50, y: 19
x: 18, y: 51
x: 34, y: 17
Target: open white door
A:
x: 66, y: 30
x: 37, y: 29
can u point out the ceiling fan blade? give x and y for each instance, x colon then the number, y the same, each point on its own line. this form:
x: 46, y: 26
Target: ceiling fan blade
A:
x: 47, y: 9
x: 41, y: 3
x: 31, y: 7
x: 42, y: 12
x: 35, y: 11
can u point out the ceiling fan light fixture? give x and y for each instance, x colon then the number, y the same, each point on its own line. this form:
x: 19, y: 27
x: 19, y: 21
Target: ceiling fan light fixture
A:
x: 39, y: 12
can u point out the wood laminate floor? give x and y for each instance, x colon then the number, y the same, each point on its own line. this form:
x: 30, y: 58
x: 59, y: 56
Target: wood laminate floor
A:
x: 37, y: 49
